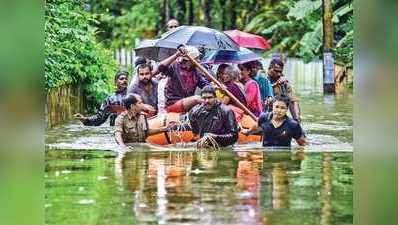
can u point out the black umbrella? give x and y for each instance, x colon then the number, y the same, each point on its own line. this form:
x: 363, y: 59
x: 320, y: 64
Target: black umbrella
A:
x: 148, y: 49
x: 201, y: 37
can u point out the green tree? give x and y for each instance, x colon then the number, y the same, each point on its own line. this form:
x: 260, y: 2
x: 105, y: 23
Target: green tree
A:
x: 72, y: 53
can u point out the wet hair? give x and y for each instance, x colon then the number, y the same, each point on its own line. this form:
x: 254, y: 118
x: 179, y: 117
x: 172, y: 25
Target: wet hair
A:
x: 129, y: 100
x: 282, y: 98
x: 276, y: 62
x: 208, y: 89
x: 221, y: 68
x: 257, y: 63
x: 140, y: 60
x: 144, y: 65
x: 120, y: 73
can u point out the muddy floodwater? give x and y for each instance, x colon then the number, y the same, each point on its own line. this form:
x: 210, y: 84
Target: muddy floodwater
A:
x: 86, y: 182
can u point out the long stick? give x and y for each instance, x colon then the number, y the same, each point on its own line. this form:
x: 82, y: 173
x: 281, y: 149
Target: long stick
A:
x: 233, y: 98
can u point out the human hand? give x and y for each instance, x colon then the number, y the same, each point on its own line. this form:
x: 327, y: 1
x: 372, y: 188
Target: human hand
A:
x: 245, y: 131
x: 79, y: 117
x: 182, y: 51
x: 267, y: 101
x: 282, y: 80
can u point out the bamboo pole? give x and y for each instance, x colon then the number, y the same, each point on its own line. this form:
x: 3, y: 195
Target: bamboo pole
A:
x: 233, y: 98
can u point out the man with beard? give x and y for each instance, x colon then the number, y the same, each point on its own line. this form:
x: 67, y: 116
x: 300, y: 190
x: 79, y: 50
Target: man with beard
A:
x: 111, y: 106
x: 146, y: 87
x: 183, y: 79
x: 213, y: 122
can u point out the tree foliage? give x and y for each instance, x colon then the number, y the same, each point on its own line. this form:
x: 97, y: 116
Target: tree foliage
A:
x: 293, y: 26
x: 72, y: 53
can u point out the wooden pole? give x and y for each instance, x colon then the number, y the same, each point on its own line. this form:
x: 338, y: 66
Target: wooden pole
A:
x: 233, y: 98
x: 328, y: 62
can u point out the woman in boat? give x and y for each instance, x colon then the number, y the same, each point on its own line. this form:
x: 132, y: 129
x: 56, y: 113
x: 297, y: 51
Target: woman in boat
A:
x: 276, y: 127
x: 252, y: 90
x: 228, y: 76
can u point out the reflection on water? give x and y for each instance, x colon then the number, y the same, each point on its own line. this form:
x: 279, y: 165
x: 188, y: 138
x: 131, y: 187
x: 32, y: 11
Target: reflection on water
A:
x: 246, y: 184
x: 196, y: 187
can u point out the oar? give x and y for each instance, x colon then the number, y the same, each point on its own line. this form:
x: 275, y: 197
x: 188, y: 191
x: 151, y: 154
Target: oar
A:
x: 234, y: 99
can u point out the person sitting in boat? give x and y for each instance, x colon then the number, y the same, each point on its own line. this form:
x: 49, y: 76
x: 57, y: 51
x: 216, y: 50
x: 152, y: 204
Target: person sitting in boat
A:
x: 213, y: 122
x: 228, y: 76
x: 111, y: 106
x: 132, y: 125
x: 146, y: 87
x: 253, y: 96
x: 263, y: 83
x: 276, y: 127
x: 183, y: 79
x: 280, y: 85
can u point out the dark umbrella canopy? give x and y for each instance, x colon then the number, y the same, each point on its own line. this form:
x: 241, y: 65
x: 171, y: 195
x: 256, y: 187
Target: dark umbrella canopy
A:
x: 201, y: 37
x: 149, y: 49
x: 198, y: 36
x: 223, y: 56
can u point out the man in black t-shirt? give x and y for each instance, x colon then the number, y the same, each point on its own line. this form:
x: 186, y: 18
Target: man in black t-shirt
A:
x: 276, y: 127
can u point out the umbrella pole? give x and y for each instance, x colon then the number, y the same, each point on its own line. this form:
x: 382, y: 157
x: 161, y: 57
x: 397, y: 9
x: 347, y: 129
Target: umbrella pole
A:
x: 233, y: 98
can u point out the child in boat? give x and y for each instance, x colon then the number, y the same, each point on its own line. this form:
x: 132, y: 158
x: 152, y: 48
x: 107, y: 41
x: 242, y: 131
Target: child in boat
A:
x: 276, y: 127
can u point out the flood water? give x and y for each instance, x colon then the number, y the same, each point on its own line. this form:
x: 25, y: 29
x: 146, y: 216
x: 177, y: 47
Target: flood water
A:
x: 87, y: 183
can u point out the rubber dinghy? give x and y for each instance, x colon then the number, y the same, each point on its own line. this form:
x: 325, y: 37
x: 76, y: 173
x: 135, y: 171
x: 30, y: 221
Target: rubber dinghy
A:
x: 174, y: 137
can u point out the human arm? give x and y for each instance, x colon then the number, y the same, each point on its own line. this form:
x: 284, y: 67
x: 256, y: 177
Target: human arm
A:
x: 181, y: 51
x: 299, y: 136
x: 99, y: 118
x: 118, y: 132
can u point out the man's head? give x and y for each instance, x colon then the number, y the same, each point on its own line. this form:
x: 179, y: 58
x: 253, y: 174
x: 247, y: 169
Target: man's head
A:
x: 185, y: 62
x: 172, y: 24
x: 280, y: 105
x: 132, y: 103
x: 140, y: 60
x: 275, y: 69
x: 121, y: 79
x: 256, y: 66
x: 208, y: 95
x: 144, y: 72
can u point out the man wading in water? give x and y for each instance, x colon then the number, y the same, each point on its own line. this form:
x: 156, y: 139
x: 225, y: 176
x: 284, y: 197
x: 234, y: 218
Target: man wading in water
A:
x: 213, y: 122
x: 111, y: 106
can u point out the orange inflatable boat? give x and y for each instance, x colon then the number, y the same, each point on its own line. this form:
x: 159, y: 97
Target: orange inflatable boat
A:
x: 167, y: 138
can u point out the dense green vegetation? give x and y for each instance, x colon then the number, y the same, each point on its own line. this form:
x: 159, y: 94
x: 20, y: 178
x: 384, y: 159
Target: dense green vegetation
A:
x: 80, y: 35
x: 73, y: 54
x: 293, y: 26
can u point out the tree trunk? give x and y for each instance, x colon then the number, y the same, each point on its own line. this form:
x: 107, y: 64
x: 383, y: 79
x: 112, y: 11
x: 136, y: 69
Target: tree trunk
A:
x: 190, y: 13
x: 232, y: 15
x: 181, y: 9
x: 223, y: 15
x: 207, y: 12
x: 328, y: 62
